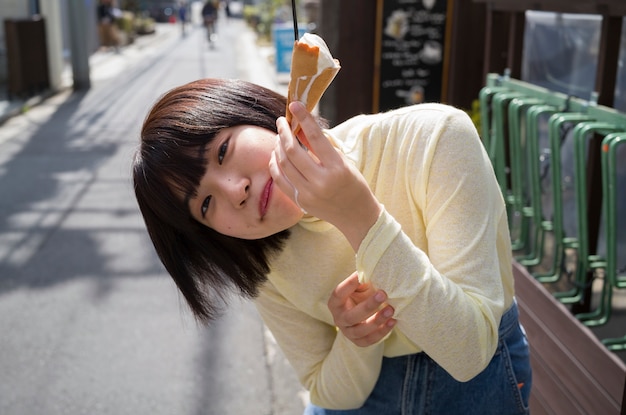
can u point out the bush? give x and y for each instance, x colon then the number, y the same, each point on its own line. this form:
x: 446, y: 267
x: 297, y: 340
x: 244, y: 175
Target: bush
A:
x: 144, y: 25
x: 251, y: 16
x: 125, y: 22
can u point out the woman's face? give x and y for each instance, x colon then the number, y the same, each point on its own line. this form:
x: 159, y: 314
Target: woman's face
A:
x: 236, y: 196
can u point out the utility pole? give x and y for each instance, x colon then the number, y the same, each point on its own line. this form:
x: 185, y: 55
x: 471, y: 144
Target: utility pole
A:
x: 78, y: 42
x: 50, y: 10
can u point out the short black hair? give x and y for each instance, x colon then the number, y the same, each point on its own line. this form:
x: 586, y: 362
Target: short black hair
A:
x: 205, y: 264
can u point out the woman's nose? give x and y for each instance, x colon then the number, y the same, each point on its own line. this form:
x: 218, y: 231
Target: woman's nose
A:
x: 238, y: 191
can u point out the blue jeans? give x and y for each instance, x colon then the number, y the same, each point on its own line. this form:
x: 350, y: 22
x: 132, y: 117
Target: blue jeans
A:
x: 416, y: 385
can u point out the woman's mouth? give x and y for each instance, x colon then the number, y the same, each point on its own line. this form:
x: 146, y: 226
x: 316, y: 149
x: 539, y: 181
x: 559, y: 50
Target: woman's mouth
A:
x: 265, y: 197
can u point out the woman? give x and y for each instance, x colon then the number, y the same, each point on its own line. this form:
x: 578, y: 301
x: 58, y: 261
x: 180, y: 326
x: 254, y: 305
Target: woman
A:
x: 380, y: 259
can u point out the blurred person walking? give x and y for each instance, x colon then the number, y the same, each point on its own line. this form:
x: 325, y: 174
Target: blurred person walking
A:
x: 209, y: 16
x: 227, y: 9
x: 106, y: 25
x: 182, y: 15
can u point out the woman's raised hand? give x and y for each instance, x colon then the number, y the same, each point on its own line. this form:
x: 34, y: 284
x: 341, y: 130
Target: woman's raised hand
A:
x: 360, y: 312
x: 325, y: 184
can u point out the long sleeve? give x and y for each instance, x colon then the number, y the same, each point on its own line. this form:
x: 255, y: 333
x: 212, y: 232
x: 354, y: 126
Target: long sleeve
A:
x: 445, y: 283
x: 337, y: 373
x: 440, y: 250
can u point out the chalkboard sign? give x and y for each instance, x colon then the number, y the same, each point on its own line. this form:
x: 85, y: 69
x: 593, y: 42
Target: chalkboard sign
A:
x: 410, y: 43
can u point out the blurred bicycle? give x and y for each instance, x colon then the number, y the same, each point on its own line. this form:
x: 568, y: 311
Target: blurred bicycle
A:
x: 209, y: 15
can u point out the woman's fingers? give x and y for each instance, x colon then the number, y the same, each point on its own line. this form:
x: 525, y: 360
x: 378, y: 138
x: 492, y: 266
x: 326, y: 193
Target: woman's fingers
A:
x: 344, y: 289
x: 360, y: 311
x: 373, y: 329
x: 313, y: 134
x: 329, y: 185
x: 294, y: 165
x: 352, y: 302
x: 282, y: 180
x: 292, y: 158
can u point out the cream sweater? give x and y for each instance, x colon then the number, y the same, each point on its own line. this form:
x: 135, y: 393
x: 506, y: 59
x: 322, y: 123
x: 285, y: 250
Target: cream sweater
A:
x: 440, y: 249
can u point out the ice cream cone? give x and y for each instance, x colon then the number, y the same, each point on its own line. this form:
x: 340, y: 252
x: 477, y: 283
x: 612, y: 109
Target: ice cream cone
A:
x: 312, y: 70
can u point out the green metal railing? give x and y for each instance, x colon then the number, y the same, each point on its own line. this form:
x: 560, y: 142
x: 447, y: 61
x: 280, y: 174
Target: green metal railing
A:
x: 515, y: 117
x: 532, y: 209
x: 610, y: 188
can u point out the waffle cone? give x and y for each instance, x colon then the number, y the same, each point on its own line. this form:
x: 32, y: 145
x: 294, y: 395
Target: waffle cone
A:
x: 306, y: 84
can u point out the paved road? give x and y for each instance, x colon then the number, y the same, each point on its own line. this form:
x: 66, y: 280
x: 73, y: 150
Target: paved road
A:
x: 90, y: 322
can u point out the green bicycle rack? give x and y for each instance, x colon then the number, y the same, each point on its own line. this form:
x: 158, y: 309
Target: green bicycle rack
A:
x: 513, y: 116
x: 610, y: 187
x: 562, y: 242
x: 586, y: 261
x: 535, y: 224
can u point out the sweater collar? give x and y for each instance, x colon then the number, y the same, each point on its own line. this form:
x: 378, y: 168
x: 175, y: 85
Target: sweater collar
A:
x: 313, y: 224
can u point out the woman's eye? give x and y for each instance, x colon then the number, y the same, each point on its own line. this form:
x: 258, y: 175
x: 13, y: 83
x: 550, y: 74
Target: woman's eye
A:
x: 222, y: 151
x: 205, y: 205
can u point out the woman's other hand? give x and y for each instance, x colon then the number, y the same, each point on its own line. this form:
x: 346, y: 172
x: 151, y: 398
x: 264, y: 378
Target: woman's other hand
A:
x: 360, y: 311
x: 328, y: 185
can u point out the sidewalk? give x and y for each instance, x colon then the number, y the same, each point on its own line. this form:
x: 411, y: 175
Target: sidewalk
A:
x: 107, y: 64
x: 106, y: 328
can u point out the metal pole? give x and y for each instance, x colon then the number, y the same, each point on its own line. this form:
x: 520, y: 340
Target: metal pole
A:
x: 78, y: 43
